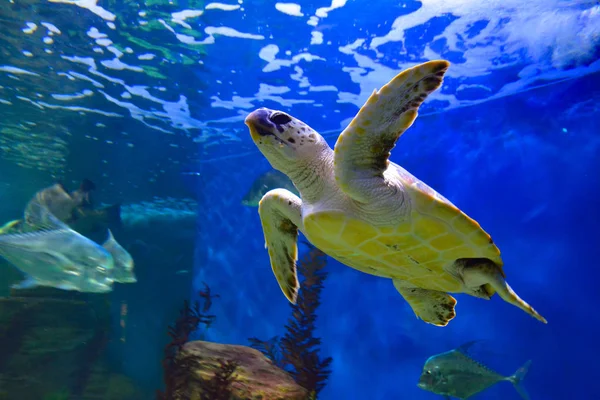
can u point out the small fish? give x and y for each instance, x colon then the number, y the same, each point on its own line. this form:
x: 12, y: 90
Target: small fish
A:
x: 123, y: 272
x: 456, y: 374
x: 272, y: 179
x: 57, y: 256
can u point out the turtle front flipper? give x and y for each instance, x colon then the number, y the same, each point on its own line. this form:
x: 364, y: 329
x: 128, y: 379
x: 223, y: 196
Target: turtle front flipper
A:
x: 363, y: 148
x: 477, y: 272
x: 432, y: 306
x: 280, y: 215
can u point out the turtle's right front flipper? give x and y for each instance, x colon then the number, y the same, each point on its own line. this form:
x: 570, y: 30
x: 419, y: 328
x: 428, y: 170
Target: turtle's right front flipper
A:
x: 280, y: 215
x: 432, y: 306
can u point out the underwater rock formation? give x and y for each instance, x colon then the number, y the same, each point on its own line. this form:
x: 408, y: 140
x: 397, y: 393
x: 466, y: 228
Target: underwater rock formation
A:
x: 52, y: 346
x: 254, y: 376
x: 202, y: 370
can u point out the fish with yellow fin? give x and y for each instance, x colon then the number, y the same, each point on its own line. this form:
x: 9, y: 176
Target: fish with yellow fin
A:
x: 54, y: 255
x: 456, y: 374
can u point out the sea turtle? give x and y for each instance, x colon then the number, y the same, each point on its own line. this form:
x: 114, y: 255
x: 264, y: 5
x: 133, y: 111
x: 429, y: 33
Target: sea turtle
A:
x: 371, y: 214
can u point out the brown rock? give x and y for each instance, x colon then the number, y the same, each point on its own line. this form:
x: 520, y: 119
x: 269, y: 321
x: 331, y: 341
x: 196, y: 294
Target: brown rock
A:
x: 256, y: 377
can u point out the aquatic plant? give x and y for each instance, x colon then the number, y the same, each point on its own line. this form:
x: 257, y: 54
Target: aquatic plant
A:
x: 177, y: 366
x: 219, y: 386
x: 189, y: 320
x: 298, y: 350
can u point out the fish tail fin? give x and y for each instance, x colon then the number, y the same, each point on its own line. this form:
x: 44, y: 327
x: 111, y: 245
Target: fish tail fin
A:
x: 87, y: 186
x: 517, y: 378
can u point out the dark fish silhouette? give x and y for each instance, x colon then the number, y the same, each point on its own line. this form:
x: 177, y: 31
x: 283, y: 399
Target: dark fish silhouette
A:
x: 74, y: 208
x: 59, y: 202
x: 272, y: 179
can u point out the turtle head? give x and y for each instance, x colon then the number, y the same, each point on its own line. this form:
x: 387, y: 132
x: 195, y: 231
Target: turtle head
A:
x: 284, y: 140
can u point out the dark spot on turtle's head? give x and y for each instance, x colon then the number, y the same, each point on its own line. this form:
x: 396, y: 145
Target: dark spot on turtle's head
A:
x: 280, y: 118
x: 283, y: 139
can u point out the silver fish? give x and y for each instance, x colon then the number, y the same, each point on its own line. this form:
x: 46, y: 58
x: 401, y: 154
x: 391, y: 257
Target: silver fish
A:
x: 456, y: 374
x: 272, y: 179
x: 57, y: 256
x: 123, y: 271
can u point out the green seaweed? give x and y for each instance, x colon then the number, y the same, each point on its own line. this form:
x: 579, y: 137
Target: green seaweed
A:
x: 177, y: 366
x: 298, y: 350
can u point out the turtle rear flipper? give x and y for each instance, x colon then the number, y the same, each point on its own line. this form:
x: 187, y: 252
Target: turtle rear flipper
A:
x: 432, y: 306
x: 477, y: 272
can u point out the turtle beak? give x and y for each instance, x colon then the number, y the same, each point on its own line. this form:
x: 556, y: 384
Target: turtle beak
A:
x: 259, y: 124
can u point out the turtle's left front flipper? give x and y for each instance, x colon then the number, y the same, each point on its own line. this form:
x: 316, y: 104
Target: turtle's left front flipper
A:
x: 280, y: 215
x: 363, y: 149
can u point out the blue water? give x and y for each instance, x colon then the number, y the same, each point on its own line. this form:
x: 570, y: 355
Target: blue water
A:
x: 147, y: 99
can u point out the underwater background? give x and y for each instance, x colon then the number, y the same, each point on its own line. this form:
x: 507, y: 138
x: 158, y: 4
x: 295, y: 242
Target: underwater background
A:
x: 147, y: 99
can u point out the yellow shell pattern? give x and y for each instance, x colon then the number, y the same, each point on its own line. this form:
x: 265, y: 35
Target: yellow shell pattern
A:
x: 417, y: 251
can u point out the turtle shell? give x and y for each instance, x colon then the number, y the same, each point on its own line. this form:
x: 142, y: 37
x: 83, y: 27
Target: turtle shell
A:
x: 420, y: 250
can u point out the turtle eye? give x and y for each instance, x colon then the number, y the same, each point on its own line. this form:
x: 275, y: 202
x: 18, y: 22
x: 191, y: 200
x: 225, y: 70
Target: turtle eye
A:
x: 280, y: 118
